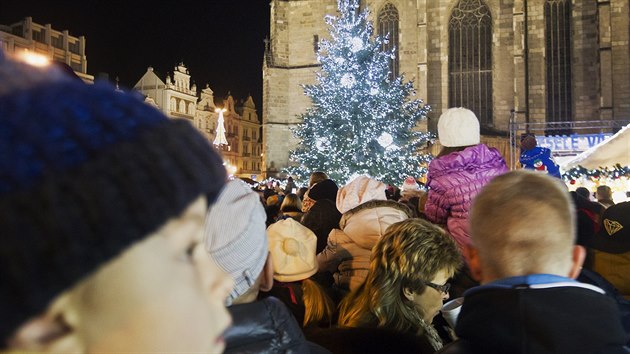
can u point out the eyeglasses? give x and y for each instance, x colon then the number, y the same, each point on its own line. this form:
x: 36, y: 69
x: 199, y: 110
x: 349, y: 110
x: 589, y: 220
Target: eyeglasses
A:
x: 441, y: 288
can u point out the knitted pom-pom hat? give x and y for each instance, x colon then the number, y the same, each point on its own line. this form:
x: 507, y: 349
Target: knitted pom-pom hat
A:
x: 85, y: 171
x: 292, y: 247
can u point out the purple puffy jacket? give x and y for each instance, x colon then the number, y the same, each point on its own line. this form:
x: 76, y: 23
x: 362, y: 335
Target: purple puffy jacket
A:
x: 454, y: 180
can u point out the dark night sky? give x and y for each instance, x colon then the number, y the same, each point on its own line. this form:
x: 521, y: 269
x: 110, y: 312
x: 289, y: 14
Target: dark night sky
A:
x: 220, y: 41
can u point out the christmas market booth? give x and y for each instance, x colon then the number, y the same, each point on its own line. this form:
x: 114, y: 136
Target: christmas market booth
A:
x: 606, y: 163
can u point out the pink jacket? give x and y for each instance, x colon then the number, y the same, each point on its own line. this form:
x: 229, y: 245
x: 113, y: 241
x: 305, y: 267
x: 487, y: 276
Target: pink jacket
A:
x: 347, y: 254
x: 454, y: 180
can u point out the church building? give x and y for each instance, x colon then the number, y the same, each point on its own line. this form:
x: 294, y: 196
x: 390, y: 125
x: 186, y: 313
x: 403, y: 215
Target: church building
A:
x: 532, y: 61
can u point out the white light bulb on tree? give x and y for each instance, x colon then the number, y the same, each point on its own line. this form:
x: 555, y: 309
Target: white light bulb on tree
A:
x: 385, y: 139
x: 356, y: 44
x: 320, y: 143
x: 348, y: 80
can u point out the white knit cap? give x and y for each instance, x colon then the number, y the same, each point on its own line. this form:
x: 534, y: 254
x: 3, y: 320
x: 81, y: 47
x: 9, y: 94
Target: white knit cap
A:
x: 458, y: 127
x: 235, y: 235
x: 292, y: 247
x: 359, y: 191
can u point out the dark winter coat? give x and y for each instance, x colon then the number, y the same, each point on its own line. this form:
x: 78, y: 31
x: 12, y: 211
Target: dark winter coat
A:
x: 369, y: 340
x: 556, y: 318
x: 265, y: 326
x: 321, y: 218
x: 454, y: 180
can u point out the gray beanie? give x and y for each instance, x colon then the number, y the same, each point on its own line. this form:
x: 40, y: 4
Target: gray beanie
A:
x: 235, y: 236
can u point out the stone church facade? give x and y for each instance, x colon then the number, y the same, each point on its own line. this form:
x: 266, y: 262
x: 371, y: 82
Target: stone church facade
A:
x: 544, y: 60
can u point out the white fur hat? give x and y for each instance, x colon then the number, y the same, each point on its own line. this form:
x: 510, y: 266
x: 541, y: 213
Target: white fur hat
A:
x: 458, y: 127
x: 359, y: 191
x: 292, y: 247
x: 235, y: 235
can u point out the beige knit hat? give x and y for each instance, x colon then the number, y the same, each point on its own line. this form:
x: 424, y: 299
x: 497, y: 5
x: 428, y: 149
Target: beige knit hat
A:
x: 292, y: 247
x: 458, y: 127
x: 359, y: 191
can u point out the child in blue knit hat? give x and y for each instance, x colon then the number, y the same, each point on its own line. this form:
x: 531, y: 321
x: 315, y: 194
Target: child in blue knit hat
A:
x: 102, y: 204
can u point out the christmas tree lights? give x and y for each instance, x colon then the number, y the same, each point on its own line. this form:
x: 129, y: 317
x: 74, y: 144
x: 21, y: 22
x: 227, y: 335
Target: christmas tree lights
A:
x: 361, y: 122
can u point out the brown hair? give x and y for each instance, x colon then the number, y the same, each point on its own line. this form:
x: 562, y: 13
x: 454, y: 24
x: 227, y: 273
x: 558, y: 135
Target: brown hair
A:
x: 409, y: 253
x: 316, y: 177
x: 450, y: 149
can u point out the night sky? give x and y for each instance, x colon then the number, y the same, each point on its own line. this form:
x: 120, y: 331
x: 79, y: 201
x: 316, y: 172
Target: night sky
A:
x: 220, y: 41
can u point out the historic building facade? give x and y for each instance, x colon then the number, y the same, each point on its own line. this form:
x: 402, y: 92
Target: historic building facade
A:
x: 56, y: 45
x: 546, y: 60
x: 177, y: 98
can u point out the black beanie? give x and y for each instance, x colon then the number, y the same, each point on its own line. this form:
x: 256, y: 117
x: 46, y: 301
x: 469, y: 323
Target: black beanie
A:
x: 326, y: 189
x: 86, y: 171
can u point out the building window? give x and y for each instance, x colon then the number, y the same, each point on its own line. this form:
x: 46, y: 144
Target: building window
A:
x: 470, y: 59
x: 558, y: 60
x: 39, y: 36
x: 315, y: 43
x: 173, y: 104
x: 73, y: 47
x: 57, y: 41
x: 388, y: 26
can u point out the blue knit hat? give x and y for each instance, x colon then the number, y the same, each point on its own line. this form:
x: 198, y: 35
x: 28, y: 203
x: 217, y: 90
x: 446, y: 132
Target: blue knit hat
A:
x: 85, y: 171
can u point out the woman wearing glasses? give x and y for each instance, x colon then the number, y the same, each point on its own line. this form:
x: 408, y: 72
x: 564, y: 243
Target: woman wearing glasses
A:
x: 407, y: 281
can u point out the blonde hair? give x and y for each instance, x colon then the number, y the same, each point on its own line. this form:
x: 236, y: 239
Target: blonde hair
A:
x: 522, y: 223
x: 317, y: 177
x: 318, y: 305
x: 291, y: 202
x: 409, y: 253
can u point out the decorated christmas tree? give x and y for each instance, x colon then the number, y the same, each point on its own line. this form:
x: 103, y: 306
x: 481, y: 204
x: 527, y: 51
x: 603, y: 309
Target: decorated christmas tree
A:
x: 362, y: 121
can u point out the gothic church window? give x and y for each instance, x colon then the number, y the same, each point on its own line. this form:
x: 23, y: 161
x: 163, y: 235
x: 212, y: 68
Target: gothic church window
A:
x: 388, y: 26
x: 470, y: 59
x: 558, y: 60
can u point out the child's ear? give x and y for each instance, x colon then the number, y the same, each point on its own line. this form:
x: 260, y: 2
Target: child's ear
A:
x: 472, y: 258
x: 267, y: 275
x: 45, y: 333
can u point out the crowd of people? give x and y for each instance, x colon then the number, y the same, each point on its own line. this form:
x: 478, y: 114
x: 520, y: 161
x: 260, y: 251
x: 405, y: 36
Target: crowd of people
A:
x: 123, y: 233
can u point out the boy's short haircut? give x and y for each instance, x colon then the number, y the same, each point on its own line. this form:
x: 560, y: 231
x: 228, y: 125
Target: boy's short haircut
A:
x: 85, y: 171
x: 523, y: 222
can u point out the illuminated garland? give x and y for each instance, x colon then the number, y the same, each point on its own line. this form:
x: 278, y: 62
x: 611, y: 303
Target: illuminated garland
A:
x: 580, y: 172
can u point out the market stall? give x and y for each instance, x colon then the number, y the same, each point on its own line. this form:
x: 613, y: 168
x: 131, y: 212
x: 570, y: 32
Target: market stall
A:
x: 606, y: 163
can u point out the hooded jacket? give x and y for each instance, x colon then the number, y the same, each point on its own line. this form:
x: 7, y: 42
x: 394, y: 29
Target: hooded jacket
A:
x: 564, y: 318
x: 539, y: 159
x: 348, y: 251
x: 454, y: 180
